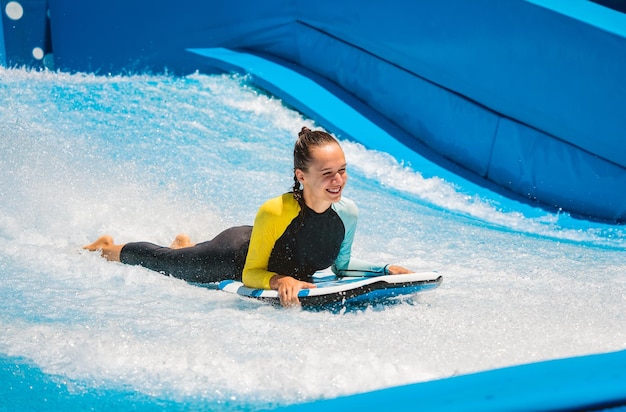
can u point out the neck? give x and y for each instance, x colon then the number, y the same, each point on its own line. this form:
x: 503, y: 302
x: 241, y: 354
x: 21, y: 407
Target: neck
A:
x: 318, y: 206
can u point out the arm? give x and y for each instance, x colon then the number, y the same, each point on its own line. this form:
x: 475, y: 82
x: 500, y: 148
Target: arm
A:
x: 345, y: 264
x: 270, y: 223
x: 264, y: 235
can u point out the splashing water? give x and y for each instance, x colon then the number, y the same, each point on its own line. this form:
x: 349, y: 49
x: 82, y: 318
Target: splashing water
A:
x: 147, y: 157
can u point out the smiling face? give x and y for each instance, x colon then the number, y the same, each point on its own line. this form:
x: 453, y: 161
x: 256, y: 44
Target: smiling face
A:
x: 325, y: 178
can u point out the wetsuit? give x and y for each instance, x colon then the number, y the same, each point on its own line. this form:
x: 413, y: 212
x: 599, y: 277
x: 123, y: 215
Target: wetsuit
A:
x: 282, y: 241
x: 287, y: 243
x: 221, y: 258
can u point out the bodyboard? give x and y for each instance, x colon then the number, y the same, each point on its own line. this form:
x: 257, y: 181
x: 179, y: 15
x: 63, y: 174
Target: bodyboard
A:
x: 343, y: 291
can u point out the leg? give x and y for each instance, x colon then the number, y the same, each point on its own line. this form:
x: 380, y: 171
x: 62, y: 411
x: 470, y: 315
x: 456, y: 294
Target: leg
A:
x: 111, y: 251
x: 221, y: 258
x: 108, y: 249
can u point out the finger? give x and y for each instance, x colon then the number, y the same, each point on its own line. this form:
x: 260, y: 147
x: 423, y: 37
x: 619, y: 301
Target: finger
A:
x: 294, y: 295
x: 283, y: 295
x: 295, y: 301
x: 288, y: 297
x: 291, y: 297
x: 285, y: 301
x: 289, y: 302
x: 397, y: 270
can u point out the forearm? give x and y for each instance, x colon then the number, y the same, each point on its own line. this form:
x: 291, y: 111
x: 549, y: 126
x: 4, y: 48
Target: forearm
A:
x: 257, y: 278
x: 357, y: 267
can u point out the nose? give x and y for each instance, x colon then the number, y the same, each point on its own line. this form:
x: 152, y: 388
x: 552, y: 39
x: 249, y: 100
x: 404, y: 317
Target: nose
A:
x: 338, y: 178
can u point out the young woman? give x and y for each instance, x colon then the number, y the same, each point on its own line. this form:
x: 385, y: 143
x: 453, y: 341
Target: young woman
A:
x: 293, y: 236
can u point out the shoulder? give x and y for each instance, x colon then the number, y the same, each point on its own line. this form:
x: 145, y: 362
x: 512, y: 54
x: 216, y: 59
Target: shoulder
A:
x: 346, y: 207
x: 280, y: 205
x: 347, y: 211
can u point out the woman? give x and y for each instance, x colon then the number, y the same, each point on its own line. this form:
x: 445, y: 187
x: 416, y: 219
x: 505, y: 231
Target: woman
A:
x: 293, y: 236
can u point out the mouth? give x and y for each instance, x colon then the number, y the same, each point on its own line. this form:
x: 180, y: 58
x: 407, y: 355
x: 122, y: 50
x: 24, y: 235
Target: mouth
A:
x: 334, y: 191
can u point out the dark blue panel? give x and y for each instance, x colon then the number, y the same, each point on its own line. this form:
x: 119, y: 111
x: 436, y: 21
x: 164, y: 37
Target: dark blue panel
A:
x: 619, y: 5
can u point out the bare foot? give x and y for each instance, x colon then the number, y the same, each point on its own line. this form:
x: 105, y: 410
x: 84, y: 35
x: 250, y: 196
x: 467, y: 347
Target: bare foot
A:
x: 108, y: 249
x: 181, y: 241
x: 100, y: 243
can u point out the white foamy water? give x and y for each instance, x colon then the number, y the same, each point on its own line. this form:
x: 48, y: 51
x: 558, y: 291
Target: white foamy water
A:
x: 147, y: 157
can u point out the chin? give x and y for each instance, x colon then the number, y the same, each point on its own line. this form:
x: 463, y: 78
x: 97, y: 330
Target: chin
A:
x: 334, y: 198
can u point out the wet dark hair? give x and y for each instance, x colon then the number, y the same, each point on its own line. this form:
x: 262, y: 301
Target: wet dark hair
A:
x: 307, y: 140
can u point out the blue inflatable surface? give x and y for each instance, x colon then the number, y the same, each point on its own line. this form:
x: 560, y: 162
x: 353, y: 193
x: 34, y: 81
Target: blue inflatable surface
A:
x: 572, y: 384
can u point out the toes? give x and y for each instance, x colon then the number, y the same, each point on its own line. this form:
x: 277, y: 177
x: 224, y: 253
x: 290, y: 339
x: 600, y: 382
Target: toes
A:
x: 101, y: 242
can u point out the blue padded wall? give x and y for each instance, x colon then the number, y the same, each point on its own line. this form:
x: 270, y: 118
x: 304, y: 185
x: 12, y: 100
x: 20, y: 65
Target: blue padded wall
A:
x: 539, y: 166
x: 120, y: 36
x: 444, y: 121
x: 552, y: 74
x: 25, y: 38
x: 3, y: 59
x: 528, y: 94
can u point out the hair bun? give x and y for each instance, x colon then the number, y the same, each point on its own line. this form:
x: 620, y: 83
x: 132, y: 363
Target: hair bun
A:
x: 303, y: 131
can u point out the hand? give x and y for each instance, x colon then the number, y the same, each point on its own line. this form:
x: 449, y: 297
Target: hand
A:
x: 288, y: 289
x: 397, y: 270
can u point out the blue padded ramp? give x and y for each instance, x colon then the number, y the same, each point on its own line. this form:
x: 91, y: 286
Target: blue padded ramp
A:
x: 582, y: 383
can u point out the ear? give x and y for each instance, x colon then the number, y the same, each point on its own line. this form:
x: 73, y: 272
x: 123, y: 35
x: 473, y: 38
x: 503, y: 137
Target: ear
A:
x: 299, y: 175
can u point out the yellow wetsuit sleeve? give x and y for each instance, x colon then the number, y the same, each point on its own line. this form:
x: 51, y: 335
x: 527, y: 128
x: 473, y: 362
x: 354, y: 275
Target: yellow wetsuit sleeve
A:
x: 271, y: 221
